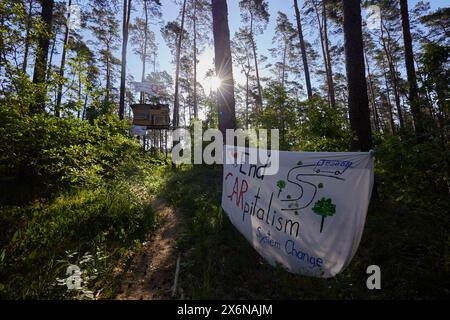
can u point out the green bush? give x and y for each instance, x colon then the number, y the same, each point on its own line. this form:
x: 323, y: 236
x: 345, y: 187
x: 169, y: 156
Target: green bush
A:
x: 322, y: 129
x: 89, y: 183
x: 412, y: 174
x: 41, y: 154
x: 38, y: 241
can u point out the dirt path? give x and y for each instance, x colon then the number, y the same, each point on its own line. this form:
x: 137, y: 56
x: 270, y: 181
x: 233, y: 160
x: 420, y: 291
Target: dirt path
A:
x: 152, y: 271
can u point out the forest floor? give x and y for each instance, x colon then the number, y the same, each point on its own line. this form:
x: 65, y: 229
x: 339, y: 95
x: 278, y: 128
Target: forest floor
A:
x: 152, y: 271
x: 217, y: 262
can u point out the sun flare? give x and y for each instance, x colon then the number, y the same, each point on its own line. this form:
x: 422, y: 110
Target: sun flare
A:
x: 215, y: 83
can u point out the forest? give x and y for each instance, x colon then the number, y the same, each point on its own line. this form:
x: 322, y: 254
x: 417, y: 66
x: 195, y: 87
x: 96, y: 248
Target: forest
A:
x: 78, y: 187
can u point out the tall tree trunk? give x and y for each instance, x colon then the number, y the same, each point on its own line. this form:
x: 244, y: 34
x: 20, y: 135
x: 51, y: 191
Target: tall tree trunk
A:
x: 195, y: 58
x: 255, y: 57
x: 176, y: 104
x: 123, y: 71
x: 358, y: 101
x: 388, y: 100
x: 376, y: 119
x: 108, y: 74
x: 27, y: 37
x: 144, y: 53
x: 392, y: 71
x: 328, y: 60
x: 50, y: 58
x: 246, y: 100
x: 63, y: 59
x: 2, y: 41
x: 40, y: 66
x: 224, y: 68
x: 283, y: 71
x: 83, y: 115
x: 303, y: 50
x: 429, y: 100
x: 320, y: 23
x: 79, y: 96
x: 411, y: 72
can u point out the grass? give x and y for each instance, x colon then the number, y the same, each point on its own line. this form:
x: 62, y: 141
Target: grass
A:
x: 89, y: 227
x: 96, y: 228
x: 410, y: 244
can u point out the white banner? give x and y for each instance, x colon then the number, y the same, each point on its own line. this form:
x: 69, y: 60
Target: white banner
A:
x: 309, y: 216
x: 146, y: 87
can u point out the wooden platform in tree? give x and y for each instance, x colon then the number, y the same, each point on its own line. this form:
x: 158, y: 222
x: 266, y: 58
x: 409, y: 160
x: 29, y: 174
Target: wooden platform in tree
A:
x: 154, y: 116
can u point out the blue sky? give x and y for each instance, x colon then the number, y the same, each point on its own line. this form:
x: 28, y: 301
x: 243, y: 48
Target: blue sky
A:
x: 170, y: 12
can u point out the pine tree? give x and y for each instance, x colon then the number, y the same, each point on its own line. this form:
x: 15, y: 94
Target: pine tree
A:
x: 358, y: 101
x: 40, y: 66
x: 411, y: 73
x: 224, y: 69
x: 303, y: 50
x: 255, y: 13
x: 125, y: 31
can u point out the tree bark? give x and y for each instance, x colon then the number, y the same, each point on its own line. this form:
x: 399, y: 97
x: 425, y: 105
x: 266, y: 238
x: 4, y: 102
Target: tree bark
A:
x: 79, y: 95
x: 303, y: 50
x: 144, y: 53
x: 392, y: 72
x: 283, y: 70
x: 411, y: 72
x: 328, y: 60
x: 358, y: 101
x: 50, y: 58
x: 40, y: 66
x: 123, y: 71
x: 376, y: 119
x: 195, y: 59
x: 325, y: 55
x: 63, y: 59
x: 176, y: 104
x: 108, y: 73
x: 388, y: 99
x: 27, y: 37
x: 223, y: 63
x: 255, y: 57
x: 246, y: 100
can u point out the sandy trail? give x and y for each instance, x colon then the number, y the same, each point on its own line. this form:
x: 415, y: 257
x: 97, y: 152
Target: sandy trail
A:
x: 152, y: 271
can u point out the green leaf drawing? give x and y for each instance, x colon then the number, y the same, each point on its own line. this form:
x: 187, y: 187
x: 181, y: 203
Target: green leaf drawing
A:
x: 281, y: 184
x: 324, y: 208
x: 299, y: 163
x: 320, y: 185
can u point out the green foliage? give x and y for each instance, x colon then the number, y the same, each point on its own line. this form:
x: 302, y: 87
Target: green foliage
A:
x: 436, y: 73
x: 41, y: 154
x: 89, y: 183
x: 308, y: 126
x: 279, y: 113
x: 37, y: 239
x: 407, y: 237
x: 412, y: 174
x: 323, y: 128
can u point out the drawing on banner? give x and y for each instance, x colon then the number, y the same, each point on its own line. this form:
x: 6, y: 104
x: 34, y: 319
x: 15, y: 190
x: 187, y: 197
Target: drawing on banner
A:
x: 306, y: 191
x: 309, y: 216
x: 324, y: 208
